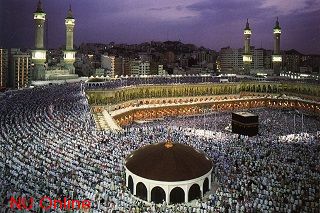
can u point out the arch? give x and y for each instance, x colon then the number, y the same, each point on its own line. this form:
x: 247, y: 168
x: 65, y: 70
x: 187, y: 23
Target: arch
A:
x: 253, y: 88
x: 258, y: 88
x: 194, y: 192
x: 176, y: 195
x: 141, y: 191
x: 130, y: 184
x: 158, y: 195
x: 269, y: 89
x: 274, y: 89
x: 205, y: 186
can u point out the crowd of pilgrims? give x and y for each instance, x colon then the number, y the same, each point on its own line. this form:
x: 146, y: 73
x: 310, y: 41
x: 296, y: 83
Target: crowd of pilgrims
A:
x: 49, y: 146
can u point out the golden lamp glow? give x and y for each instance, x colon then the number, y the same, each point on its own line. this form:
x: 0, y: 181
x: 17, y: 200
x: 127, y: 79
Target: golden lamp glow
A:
x: 247, y: 32
x: 168, y: 144
x: 70, y: 22
x: 276, y: 31
x: 276, y: 58
x: 247, y: 58
x: 39, y: 16
x: 39, y: 54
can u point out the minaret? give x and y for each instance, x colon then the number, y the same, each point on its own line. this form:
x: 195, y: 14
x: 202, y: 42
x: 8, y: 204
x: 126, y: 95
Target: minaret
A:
x: 39, y: 52
x: 247, y: 57
x: 276, y: 57
x: 69, y: 53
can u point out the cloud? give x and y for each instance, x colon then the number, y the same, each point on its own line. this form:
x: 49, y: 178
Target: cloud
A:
x: 154, y: 11
x: 219, y: 5
x: 288, y: 7
x: 150, y: 11
x: 160, y: 8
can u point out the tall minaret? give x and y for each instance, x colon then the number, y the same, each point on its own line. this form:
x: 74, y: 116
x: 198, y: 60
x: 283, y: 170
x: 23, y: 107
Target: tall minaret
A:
x: 69, y: 53
x: 39, y: 52
x: 247, y: 57
x: 276, y: 57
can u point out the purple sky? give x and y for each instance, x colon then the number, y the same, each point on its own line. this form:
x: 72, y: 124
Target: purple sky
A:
x: 210, y: 23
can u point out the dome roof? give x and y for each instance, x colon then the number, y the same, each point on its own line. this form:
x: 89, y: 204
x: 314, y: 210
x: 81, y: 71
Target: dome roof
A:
x: 173, y: 162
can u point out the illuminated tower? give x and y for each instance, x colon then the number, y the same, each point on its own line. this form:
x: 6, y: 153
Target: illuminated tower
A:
x: 247, y: 57
x: 276, y: 57
x: 39, y: 52
x: 69, y: 53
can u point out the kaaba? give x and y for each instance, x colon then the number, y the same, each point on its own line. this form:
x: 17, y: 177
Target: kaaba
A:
x: 245, y: 123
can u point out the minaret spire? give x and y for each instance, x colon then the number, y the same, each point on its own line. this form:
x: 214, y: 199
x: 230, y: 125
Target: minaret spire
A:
x: 276, y: 57
x: 39, y: 7
x: 277, y: 24
x: 69, y: 53
x: 39, y: 4
x: 247, y: 24
x: 69, y: 14
x: 39, y: 52
x: 247, y: 56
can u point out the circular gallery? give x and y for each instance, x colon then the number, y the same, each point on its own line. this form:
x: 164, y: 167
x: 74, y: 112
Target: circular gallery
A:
x: 168, y: 171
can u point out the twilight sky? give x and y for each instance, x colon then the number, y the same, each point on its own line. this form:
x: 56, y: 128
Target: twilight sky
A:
x: 210, y: 23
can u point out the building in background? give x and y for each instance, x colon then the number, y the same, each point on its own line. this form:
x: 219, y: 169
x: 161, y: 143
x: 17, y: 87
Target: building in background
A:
x: 20, y: 69
x: 138, y: 67
x: 231, y: 60
x: 122, y: 66
x: 169, y: 57
x: 161, y: 71
x: 144, y: 68
x: 3, y: 68
x: 157, y: 68
x: 258, y: 58
x: 292, y: 61
x: 204, y: 57
x: 108, y: 63
x: 226, y: 60
x: 135, y: 67
x: 100, y: 72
